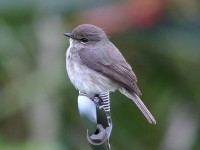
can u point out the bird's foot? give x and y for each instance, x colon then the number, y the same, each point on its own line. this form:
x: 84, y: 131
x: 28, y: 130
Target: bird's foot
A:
x: 97, y: 100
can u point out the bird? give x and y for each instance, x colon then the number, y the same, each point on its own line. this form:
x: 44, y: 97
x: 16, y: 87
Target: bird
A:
x: 94, y: 65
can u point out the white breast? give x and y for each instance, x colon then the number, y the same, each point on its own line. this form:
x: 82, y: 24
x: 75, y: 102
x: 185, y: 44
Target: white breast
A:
x: 85, y: 79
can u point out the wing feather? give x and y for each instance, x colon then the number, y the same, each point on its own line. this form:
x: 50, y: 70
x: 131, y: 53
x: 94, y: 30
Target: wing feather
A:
x: 115, y: 68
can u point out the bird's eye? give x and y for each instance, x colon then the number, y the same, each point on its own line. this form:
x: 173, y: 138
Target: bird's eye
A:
x: 84, y: 40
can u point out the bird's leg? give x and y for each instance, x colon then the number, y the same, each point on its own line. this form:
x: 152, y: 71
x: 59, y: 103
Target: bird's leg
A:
x: 97, y: 100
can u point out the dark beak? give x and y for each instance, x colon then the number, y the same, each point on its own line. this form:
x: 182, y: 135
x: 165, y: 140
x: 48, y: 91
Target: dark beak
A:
x: 70, y: 35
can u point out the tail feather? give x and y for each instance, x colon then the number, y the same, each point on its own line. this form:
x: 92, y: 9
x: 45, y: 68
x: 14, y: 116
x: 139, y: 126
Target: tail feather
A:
x: 139, y: 104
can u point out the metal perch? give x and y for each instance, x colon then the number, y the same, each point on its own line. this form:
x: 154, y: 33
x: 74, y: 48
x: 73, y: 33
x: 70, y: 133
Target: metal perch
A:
x: 97, y: 119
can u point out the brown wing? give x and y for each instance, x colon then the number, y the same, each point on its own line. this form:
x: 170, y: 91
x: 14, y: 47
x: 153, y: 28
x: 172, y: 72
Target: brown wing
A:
x: 111, y: 64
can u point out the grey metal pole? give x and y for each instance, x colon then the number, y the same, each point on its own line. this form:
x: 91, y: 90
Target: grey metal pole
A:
x: 97, y: 119
x: 99, y: 140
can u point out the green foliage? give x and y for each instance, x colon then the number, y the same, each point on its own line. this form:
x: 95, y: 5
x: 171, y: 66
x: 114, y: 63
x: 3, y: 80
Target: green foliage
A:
x: 38, y: 104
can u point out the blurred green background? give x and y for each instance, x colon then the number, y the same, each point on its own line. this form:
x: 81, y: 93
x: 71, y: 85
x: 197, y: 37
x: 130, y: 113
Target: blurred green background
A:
x: 38, y: 104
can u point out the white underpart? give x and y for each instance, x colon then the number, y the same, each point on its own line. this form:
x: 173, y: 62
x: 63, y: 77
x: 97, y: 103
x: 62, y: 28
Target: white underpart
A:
x: 83, y: 78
